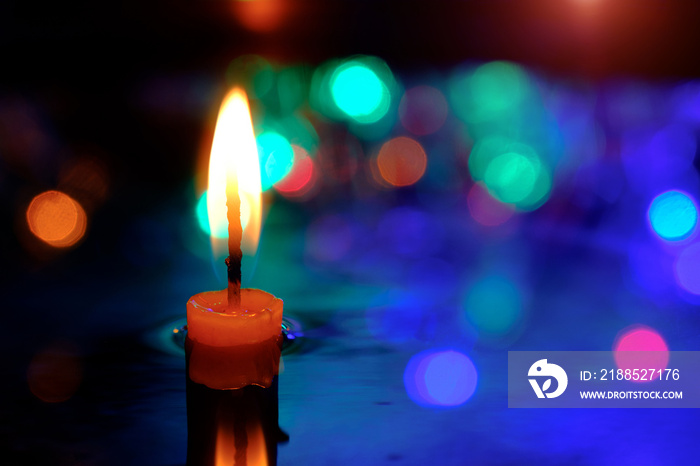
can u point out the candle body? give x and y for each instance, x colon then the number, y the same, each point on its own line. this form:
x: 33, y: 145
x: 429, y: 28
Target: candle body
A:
x: 232, y: 350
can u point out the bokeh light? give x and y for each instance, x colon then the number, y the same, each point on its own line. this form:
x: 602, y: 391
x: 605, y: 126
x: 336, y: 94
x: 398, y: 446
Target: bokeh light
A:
x: 496, y: 88
x: 301, y: 179
x: 493, y: 91
x: 359, y: 92
x: 401, y: 161
x: 276, y: 158
x: 673, y: 215
x: 292, y: 88
x: 511, y: 171
x: 485, y: 209
x: 295, y: 128
x: 440, y: 378
x: 55, y: 373
x: 640, y: 338
x: 687, y: 269
x: 511, y: 176
x: 261, y: 15
x: 57, y: 219
x: 639, y: 346
x: 423, y: 110
x: 494, y: 306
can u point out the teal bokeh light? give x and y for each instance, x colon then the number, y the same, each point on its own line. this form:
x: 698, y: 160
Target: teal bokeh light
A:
x: 494, y: 91
x: 359, y: 92
x: 203, y: 216
x: 497, y: 88
x: 494, y: 306
x: 276, y: 158
x: 512, y: 172
x: 673, y: 215
x: 512, y: 176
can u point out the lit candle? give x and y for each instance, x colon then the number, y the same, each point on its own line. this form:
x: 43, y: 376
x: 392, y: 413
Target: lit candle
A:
x: 234, y: 335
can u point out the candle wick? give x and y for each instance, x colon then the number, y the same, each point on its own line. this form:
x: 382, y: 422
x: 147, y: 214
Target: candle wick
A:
x: 233, y: 261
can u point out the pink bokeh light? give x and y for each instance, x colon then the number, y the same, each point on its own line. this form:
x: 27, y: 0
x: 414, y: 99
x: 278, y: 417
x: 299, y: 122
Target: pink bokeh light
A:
x: 643, y: 348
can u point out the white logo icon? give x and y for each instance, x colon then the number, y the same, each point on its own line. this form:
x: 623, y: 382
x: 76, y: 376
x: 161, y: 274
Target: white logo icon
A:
x: 543, y: 369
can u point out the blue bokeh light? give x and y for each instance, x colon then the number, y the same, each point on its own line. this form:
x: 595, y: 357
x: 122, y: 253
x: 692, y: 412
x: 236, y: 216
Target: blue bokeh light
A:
x: 673, y: 215
x: 440, y: 378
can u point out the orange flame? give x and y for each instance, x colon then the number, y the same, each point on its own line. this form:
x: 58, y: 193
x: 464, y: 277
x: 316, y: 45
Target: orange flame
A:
x: 234, y: 164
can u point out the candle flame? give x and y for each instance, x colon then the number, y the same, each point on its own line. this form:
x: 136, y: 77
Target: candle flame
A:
x: 234, y: 164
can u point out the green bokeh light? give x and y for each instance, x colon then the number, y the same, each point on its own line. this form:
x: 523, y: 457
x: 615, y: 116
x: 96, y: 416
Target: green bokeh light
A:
x: 497, y: 88
x: 511, y: 177
x: 292, y: 88
x: 497, y: 96
x: 276, y: 158
x: 458, y: 93
x: 512, y: 172
x: 487, y: 149
x: 295, y: 128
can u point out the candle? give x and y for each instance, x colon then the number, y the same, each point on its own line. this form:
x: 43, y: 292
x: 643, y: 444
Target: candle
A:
x: 233, y: 335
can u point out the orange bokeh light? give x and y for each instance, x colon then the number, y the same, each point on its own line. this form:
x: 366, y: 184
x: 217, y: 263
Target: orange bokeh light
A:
x: 402, y: 161
x: 57, y: 219
x: 260, y: 15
